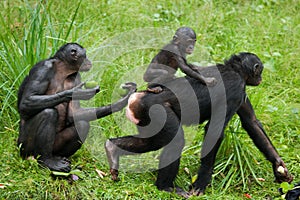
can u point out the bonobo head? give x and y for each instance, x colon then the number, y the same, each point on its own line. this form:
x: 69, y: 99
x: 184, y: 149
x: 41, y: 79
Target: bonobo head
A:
x: 250, y: 65
x: 75, y: 55
x: 254, y: 67
x: 185, y: 38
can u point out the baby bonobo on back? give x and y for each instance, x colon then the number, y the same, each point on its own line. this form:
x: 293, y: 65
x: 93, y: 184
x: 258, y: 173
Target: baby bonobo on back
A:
x: 173, y: 56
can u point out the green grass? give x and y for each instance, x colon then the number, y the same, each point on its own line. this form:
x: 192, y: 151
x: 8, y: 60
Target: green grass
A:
x: 121, y: 37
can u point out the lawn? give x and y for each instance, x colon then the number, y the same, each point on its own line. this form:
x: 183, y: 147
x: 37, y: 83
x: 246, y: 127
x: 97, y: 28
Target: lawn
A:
x: 121, y: 38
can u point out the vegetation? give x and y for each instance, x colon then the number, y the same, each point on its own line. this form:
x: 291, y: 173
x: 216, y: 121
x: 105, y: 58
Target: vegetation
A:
x: 121, y: 37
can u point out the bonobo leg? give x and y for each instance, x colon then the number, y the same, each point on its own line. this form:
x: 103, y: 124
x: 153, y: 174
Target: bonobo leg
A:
x: 41, y: 131
x: 255, y: 130
x: 69, y: 140
x: 206, y: 168
x: 170, y: 136
x: 155, y: 90
x: 169, y: 162
x: 129, y: 145
x: 155, y: 87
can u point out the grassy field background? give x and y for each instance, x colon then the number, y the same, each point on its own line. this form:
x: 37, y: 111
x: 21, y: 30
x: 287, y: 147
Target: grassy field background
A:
x: 121, y: 38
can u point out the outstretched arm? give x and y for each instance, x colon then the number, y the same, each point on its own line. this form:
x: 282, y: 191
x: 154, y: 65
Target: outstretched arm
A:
x: 33, y: 92
x: 34, y: 101
x: 257, y: 133
x: 90, y: 114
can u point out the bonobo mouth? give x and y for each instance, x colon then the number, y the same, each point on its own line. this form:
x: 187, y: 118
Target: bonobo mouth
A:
x: 86, y: 66
x: 254, y: 83
x: 189, y: 51
x: 259, y: 82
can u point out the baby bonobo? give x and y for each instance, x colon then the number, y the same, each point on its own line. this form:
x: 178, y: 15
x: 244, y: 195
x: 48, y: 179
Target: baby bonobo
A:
x: 171, y: 57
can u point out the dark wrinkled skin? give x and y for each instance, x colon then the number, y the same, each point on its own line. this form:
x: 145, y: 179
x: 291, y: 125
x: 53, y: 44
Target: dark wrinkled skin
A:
x: 48, y: 103
x: 217, y: 105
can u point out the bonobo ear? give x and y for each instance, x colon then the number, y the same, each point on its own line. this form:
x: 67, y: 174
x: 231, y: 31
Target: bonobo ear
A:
x: 256, y: 69
x: 255, y: 66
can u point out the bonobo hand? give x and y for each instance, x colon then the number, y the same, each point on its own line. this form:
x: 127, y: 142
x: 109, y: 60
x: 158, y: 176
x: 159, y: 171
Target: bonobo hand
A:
x: 210, y: 81
x: 131, y: 87
x: 281, y: 172
x: 83, y: 94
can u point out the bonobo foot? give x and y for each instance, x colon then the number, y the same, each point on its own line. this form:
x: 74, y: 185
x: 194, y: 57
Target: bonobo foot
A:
x: 155, y: 90
x: 210, y: 81
x: 199, y: 185
x: 196, y: 192
x: 178, y: 191
x: 114, y: 174
x: 113, y: 159
x: 55, y: 163
x: 281, y: 172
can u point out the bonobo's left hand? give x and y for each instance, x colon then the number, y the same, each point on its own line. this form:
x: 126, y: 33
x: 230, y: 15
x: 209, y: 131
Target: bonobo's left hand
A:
x: 84, y: 94
x: 130, y: 86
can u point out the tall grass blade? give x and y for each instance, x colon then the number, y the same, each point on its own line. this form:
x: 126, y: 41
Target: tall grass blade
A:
x: 19, y: 50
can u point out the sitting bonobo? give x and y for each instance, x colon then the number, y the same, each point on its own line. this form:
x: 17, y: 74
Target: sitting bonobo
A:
x: 53, y: 126
x: 164, y: 65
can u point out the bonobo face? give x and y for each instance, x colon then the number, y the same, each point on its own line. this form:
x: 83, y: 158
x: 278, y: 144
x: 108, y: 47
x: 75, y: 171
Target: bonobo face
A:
x: 186, y: 39
x: 75, y: 55
x: 254, y: 67
x: 189, y: 44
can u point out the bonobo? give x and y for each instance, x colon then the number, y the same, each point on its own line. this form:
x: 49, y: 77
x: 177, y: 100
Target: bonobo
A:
x: 186, y: 101
x: 53, y: 126
x: 173, y: 56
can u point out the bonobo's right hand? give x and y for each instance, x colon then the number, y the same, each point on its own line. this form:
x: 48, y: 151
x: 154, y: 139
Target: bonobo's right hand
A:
x: 130, y: 86
x: 77, y: 93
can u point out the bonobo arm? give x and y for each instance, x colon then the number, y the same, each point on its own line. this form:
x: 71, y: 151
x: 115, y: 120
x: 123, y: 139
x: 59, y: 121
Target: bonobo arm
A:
x: 195, y: 67
x: 34, y: 98
x: 188, y: 70
x: 34, y: 101
x: 255, y: 130
x: 257, y: 133
x: 90, y: 114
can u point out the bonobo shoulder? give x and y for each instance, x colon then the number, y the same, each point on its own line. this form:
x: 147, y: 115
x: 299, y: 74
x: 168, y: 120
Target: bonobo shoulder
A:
x: 44, y: 64
x: 171, y: 49
x: 49, y: 63
x: 42, y: 69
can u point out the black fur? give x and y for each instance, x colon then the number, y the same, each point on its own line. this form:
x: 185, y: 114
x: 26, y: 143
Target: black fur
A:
x: 187, y: 101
